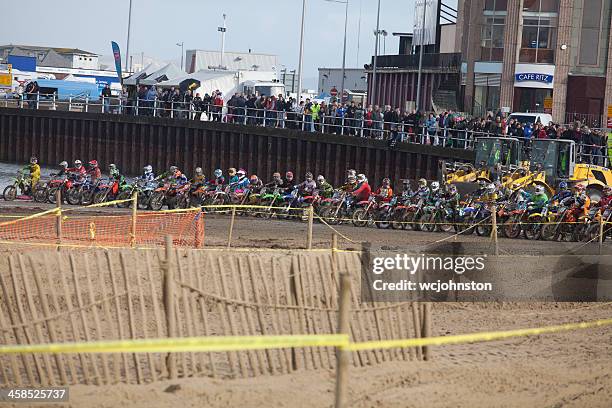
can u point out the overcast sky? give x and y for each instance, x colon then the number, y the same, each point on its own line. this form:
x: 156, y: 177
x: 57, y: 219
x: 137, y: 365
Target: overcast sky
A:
x: 265, y: 26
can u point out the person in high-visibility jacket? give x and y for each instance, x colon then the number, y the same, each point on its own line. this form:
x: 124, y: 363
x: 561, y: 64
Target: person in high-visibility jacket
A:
x: 34, y: 169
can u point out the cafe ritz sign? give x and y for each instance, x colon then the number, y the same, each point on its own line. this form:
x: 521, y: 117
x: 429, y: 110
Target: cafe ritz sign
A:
x: 533, y: 77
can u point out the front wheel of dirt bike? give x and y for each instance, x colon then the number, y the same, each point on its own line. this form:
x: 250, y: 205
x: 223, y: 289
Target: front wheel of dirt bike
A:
x: 143, y: 200
x: 483, y: 230
x: 512, y: 228
x: 446, y: 226
x: 328, y: 214
x: 99, y: 197
x: 156, y: 203
x: 124, y: 195
x: 425, y: 223
x: 579, y: 232
x: 532, y: 230
x: 52, y: 195
x: 360, y: 217
x: 41, y: 194
x: 384, y: 222
x: 73, y: 196
x: 548, y: 232
x: 10, y: 193
x: 396, y: 220
x: 592, y: 233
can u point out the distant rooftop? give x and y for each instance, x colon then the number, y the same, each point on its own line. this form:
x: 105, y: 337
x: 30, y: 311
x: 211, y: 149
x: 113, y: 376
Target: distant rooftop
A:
x: 58, y: 50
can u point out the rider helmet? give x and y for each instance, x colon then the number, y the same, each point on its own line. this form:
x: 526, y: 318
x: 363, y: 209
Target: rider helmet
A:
x: 173, y: 169
x: 289, y: 175
x: 93, y: 163
x: 148, y: 169
x: 482, y: 183
x: 539, y: 189
x: 352, y: 179
x: 33, y: 160
x: 579, y: 188
x: 320, y: 179
x: 362, y: 178
x: 218, y: 173
x: 254, y: 179
x: 198, y: 171
x: 563, y: 185
x: 422, y: 182
x: 435, y: 186
x: 386, y: 181
x: 309, y: 176
x: 406, y: 182
x: 452, y: 189
x: 350, y: 173
x: 241, y: 173
x: 491, y: 188
x: 607, y: 190
x: 231, y: 171
x: 78, y: 163
x: 64, y: 164
x: 276, y: 176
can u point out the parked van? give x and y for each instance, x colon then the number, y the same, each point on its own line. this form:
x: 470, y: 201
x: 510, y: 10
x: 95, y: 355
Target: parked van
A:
x: 531, y: 117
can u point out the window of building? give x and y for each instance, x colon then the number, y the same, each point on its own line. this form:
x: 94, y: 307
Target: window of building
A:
x: 539, y: 31
x: 492, y: 31
x: 589, y: 33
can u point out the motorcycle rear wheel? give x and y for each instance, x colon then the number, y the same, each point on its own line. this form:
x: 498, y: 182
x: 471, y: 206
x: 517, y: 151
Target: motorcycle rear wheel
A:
x: 360, y: 217
x: 124, y: 195
x: 10, y: 193
x: 156, y: 203
x: 73, y: 197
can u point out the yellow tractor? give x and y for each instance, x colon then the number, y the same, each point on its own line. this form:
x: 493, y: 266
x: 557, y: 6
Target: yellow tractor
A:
x: 557, y: 158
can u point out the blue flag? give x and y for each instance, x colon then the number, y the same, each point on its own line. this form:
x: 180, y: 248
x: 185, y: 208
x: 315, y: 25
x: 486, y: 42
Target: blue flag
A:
x: 117, y: 56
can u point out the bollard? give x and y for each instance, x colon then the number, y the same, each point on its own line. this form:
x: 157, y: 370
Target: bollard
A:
x: 231, y: 228
x: 426, y: 329
x: 310, y: 212
x: 342, y: 356
x: 134, y: 218
x: 494, y: 228
x: 169, y: 304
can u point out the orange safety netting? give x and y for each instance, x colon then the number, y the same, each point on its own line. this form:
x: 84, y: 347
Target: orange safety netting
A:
x: 186, y: 229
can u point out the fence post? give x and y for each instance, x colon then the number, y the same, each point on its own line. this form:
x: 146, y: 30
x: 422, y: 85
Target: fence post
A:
x: 87, y: 104
x: 494, y: 228
x: 58, y: 221
x: 169, y: 304
x: 38, y: 100
x: 155, y: 106
x: 54, y: 106
x: 426, y: 329
x: 134, y: 218
x: 231, y: 228
x: 70, y: 104
x: 342, y: 355
x: 310, y: 213
x: 601, y: 231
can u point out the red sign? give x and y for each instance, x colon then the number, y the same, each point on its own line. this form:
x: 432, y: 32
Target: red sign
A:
x: 333, y: 91
x: 609, y: 122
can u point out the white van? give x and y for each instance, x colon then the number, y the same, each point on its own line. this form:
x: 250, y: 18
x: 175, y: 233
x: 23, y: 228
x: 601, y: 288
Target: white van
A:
x: 532, y: 117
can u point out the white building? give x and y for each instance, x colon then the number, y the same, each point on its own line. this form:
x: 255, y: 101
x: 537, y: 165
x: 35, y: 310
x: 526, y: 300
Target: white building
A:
x: 197, y: 60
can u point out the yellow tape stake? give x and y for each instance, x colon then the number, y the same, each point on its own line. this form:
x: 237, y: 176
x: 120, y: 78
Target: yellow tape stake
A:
x: 187, y: 344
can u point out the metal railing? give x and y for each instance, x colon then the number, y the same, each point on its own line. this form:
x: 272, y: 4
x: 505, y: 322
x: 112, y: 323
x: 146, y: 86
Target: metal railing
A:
x: 336, y: 124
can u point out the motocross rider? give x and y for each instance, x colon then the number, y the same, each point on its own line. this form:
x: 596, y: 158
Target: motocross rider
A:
x: 538, y: 200
x: 580, y: 199
x: 233, y: 177
x: 178, y: 177
x: 34, y: 171
x: 384, y: 193
x: 94, y: 172
x: 407, y: 192
x: 219, y: 180
x: 326, y: 190
x: 490, y: 194
x: 606, y: 198
x: 78, y: 170
x: 308, y: 186
x: 563, y: 192
x: 422, y: 194
x: 350, y: 185
x: 363, y: 190
x: 148, y: 176
x: 288, y: 183
x: 277, y: 181
x: 242, y: 182
x: 255, y: 184
x: 436, y: 194
x: 198, y: 178
x: 63, y: 170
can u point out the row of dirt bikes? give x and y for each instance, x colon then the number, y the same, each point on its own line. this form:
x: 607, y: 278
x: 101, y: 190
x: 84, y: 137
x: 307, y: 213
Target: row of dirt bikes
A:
x: 514, y: 220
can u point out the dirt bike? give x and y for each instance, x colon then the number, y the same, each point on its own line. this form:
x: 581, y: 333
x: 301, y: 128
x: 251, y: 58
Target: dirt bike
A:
x: 399, y: 212
x: 79, y: 187
x: 364, y: 212
x: 177, y: 196
x: 128, y: 190
x: 563, y: 225
x: 592, y: 231
x: 535, y: 222
x: 158, y: 197
x: 337, y: 209
x: 269, y: 198
x: 436, y: 218
x: 61, y: 184
x: 20, y: 185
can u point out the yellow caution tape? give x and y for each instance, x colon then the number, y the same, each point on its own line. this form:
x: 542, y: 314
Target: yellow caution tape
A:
x: 237, y: 343
x: 475, y: 337
x: 187, y: 344
x: 29, y: 217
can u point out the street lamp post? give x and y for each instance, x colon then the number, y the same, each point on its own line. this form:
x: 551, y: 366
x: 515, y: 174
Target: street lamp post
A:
x: 418, y: 97
x: 373, y: 93
x: 127, y: 46
x: 181, y: 44
x: 301, y: 62
x: 222, y: 30
x: 344, y: 50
